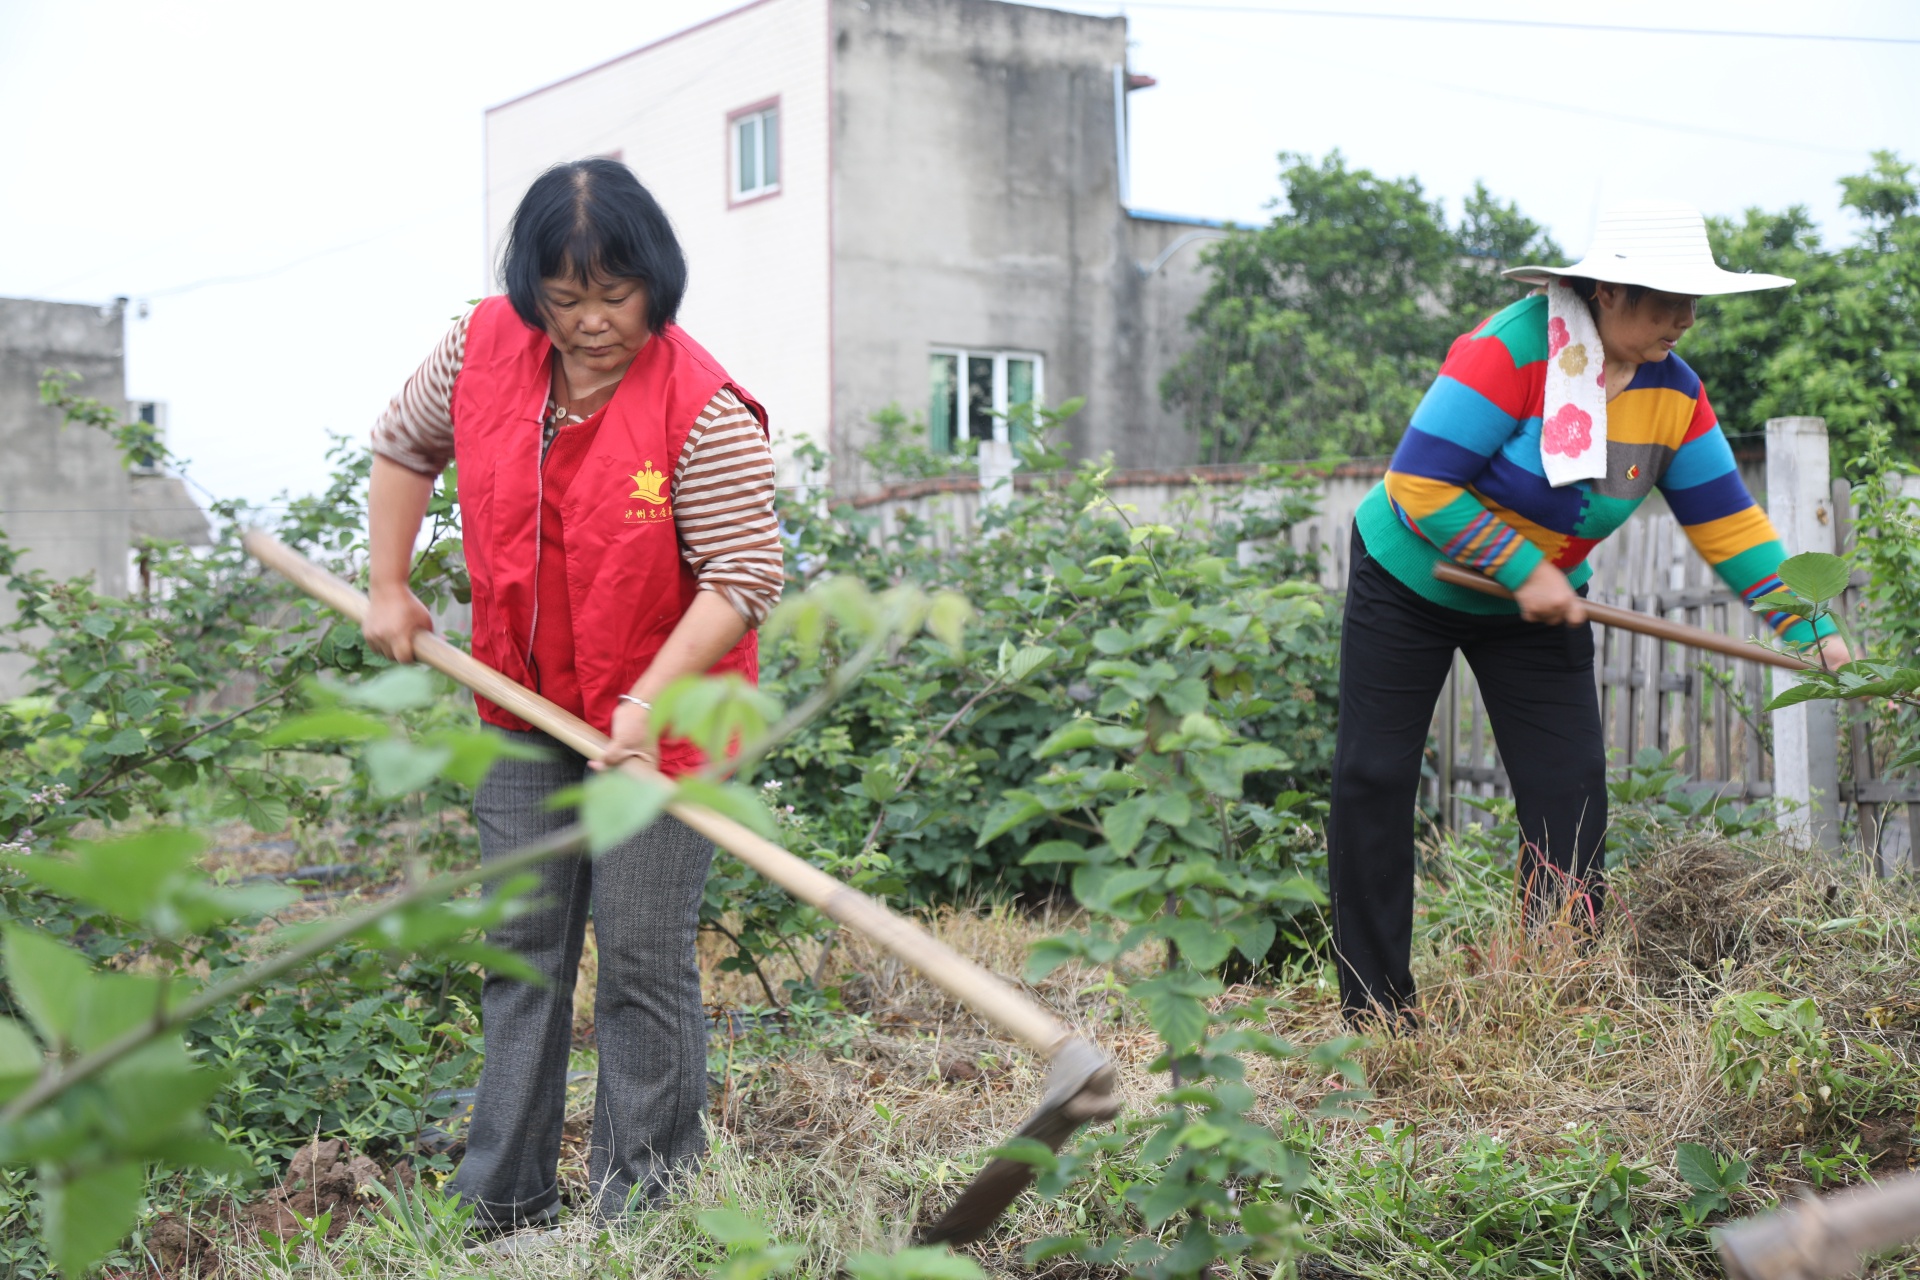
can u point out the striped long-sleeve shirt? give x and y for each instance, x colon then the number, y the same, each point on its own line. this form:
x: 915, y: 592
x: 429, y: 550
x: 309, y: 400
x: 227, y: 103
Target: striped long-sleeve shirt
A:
x: 1467, y: 482
x: 722, y: 487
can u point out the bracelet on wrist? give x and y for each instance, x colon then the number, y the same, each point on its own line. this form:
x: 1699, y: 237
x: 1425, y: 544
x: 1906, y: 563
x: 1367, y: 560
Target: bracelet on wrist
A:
x: 642, y: 703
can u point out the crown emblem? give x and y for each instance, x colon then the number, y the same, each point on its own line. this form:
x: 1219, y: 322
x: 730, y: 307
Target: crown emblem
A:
x: 648, y: 484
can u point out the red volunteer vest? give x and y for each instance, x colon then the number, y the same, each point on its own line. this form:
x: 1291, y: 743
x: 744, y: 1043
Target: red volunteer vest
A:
x: 626, y: 581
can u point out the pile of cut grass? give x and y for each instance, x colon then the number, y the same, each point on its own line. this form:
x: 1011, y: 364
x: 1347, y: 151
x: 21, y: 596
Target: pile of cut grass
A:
x: 1547, y: 1069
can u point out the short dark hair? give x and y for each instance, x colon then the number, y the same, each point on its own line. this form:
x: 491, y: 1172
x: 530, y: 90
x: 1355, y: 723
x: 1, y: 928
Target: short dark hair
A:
x: 1585, y: 288
x: 592, y: 220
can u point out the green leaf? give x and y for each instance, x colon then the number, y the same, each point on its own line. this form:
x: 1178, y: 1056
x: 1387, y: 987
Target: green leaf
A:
x: 1125, y: 823
x: 127, y: 742
x: 85, y: 1215
x: 337, y: 725
x: 947, y: 618
x: 731, y: 800
x: 1119, y: 737
x: 1014, y: 808
x: 394, y: 690
x: 1075, y: 735
x: 1113, y: 641
x: 474, y: 753
x: 126, y: 877
x: 21, y: 1059
x: 1178, y: 1015
x: 395, y: 766
x: 615, y: 805
x: 1056, y: 851
x: 1202, y: 944
x: 917, y: 1263
x: 1048, y: 954
x: 736, y: 1230
x: 1030, y: 659
x: 265, y: 814
x: 113, y: 1004
x: 715, y: 713
x: 1698, y: 1166
x: 49, y: 981
x: 1297, y: 888
x: 1782, y: 602
x: 1254, y: 940
x: 1818, y: 576
x: 1805, y: 691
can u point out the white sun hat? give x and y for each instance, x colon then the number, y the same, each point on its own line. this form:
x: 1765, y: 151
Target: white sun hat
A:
x: 1656, y: 243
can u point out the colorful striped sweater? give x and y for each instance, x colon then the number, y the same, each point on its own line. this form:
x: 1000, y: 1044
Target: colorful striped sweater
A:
x: 1467, y: 482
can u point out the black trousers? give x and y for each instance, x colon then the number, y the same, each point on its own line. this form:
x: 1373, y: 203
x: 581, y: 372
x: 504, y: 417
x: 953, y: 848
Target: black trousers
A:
x: 1537, y: 684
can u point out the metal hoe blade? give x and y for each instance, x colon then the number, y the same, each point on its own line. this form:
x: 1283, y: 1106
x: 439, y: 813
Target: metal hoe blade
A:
x: 1079, y: 1091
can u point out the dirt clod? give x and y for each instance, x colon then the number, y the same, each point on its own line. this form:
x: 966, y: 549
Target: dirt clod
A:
x: 323, y: 1177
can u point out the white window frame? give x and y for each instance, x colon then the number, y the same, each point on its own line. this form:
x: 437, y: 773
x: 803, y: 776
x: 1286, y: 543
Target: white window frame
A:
x: 767, y: 115
x: 995, y: 428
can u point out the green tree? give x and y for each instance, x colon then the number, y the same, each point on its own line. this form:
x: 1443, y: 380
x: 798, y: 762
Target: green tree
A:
x: 1320, y: 330
x: 1842, y: 344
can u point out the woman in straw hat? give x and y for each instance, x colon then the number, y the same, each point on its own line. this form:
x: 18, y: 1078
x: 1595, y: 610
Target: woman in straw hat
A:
x: 1547, y: 427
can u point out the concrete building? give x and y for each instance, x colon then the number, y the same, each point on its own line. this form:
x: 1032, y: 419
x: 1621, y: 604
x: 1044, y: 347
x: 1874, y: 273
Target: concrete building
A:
x: 66, y: 498
x: 919, y: 203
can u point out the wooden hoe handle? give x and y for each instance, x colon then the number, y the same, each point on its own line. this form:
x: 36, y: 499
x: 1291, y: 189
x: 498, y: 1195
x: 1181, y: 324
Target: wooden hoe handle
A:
x: 1633, y: 620
x: 1815, y: 1239
x: 1012, y: 1011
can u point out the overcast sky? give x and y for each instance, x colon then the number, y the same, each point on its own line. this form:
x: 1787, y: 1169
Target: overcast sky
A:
x: 295, y: 190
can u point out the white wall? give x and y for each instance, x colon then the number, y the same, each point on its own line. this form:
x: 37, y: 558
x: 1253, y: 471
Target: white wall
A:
x: 759, y: 292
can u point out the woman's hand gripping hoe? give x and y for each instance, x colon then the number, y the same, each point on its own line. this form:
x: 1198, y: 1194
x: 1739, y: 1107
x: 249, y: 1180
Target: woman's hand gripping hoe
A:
x: 1080, y: 1081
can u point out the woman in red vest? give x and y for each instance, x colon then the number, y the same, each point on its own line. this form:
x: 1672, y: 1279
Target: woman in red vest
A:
x: 616, y: 500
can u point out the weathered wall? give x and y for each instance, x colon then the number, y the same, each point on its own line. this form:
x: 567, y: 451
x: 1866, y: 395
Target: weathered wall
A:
x: 63, y: 494
x: 759, y: 270
x: 1166, y: 285
x: 977, y: 204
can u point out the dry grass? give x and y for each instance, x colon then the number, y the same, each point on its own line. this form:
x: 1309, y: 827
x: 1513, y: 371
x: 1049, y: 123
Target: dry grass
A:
x: 842, y: 1145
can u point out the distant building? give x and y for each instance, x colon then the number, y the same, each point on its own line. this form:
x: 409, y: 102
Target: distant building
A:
x: 911, y: 202
x: 65, y: 495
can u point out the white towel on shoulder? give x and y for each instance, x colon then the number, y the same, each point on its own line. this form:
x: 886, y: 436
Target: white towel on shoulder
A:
x: 1573, y: 420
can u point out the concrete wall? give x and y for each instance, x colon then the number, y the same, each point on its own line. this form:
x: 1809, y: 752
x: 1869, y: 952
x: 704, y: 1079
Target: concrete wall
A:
x: 758, y: 297
x: 63, y: 493
x: 1166, y: 285
x: 976, y: 200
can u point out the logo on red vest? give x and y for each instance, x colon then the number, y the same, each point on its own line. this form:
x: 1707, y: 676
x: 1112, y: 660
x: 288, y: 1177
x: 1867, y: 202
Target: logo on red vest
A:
x: 648, y: 501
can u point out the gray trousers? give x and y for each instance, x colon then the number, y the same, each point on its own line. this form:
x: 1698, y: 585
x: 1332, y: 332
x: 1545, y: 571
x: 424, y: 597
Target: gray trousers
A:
x: 652, y: 1088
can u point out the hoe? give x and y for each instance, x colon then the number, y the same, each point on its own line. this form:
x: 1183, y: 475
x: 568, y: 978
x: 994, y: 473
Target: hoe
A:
x: 1080, y: 1079
x: 1633, y: 620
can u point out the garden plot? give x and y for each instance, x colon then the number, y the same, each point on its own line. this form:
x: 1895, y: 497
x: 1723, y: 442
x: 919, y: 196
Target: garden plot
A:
x: 1541, y: 1120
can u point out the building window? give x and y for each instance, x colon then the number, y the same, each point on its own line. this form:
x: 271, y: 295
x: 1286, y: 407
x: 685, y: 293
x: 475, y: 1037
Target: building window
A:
x: 982, y: 395
x: 754, y: 139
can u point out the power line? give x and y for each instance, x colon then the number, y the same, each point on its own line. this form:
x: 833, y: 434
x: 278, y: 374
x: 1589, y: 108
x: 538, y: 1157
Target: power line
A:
x: 1648, y: 122
x: 1529, y: 23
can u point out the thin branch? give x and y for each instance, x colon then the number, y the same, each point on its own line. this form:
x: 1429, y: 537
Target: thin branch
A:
x: 838, y: 681
x: 880, y: 818
x: 51, y: 1085
x: 740, y: 949
x: 188, y: 741
x: 998, y: 682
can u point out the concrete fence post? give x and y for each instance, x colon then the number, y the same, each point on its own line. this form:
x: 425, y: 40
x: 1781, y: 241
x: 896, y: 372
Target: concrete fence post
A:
x: 1806, y: 738
x: 996, y: 473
